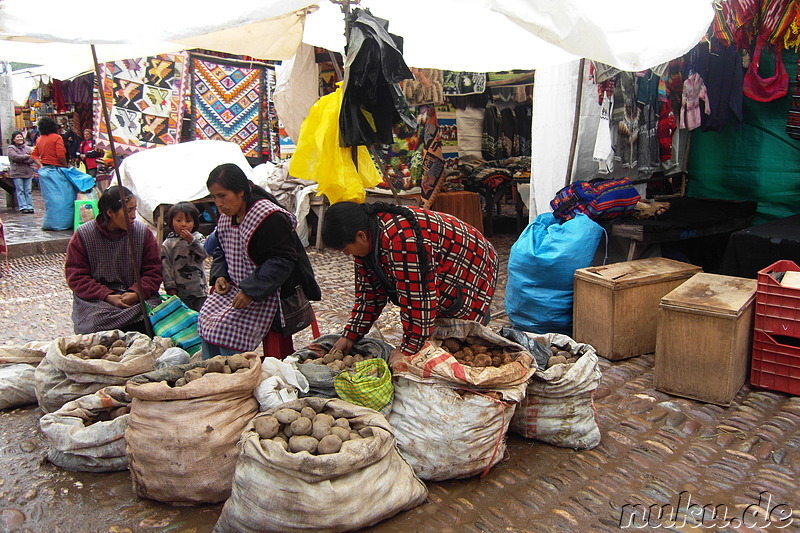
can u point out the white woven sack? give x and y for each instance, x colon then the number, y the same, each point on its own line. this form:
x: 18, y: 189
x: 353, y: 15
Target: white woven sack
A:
x: 79, y: 443
x: 558, y: 408
x: 16, y: 385
x: 446, y: 433
x: 62, y: 377
x: 31, y: 353
x: 278, y: 491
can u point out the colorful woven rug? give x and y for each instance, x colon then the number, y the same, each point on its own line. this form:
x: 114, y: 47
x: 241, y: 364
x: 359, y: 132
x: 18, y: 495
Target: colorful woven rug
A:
x: 147, y: 102
x: 227, y: 101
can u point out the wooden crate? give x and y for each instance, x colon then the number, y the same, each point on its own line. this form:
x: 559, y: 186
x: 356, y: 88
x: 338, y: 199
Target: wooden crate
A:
x: 705, y: 330
x: 616, y: 306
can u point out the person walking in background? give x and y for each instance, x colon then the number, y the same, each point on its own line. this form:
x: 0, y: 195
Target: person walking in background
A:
x: 99, y: 268
x: 182, y: 256
x: 22, y: 171
x: 88, y: 154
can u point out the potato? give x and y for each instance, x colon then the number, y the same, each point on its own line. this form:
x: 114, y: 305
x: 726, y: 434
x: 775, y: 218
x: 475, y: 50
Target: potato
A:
x: 452, y: 345
x: 482, y: 359
x: 365, y: 432
x: 238, y: 361
x: 118, y: 350
x: 267, y: 426
x: 320, y: 429
x: 119, y: 343
x: 286, y: 415
x: 282, y: 441
x: 340, y: 432
x: 97, y: 351
x: 194, y: 373
x: 507, y: 359
x: 467, y: 352
x: 459, y: 355
x: 287, y: 431
x: 301, y: 426
x: 119, y: 411
x: 328, y: 358
x: 329, y: 444
x: 337, y: 354
x: 215, y: 364
x: 565, y: 354
x: 349, y: 360
x: 357, y: 358
x: 326, y: 417
x: 180, y: 382
x: 308, y: 412
x: 556, y: 360
x: 554, y: 350
x: 112, y: 357
x: 303, y: 443
x: 354, y: 436
x: 226, y: 370
x: 342, y: 423
x: 478, y: 348
x: 241, y: 371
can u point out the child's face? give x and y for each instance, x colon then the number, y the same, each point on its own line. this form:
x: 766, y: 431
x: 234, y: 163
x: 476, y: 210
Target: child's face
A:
x: 182, y: 221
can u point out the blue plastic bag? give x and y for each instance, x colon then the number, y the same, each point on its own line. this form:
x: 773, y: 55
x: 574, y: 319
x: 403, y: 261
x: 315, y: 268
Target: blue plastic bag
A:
x: 59, y: 196
x: 541, y: 269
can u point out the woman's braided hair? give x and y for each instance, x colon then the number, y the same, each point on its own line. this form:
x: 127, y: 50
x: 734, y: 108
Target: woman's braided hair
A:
x: 344, y: 219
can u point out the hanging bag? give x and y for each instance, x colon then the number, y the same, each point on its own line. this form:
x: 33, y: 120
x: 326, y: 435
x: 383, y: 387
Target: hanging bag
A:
x: 765, y: 89
x: 296, y: 311
x: 174, y: 320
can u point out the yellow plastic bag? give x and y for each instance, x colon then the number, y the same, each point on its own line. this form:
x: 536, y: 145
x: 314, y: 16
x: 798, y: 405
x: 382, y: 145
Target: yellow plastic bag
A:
x: 319, y: 157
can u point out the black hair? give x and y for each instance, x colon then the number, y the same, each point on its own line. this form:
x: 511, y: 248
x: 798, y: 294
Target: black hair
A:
x: 14, y: 134
x: 188, y: 209
x: 46, y: 126
x: 344, y: 219
x: 231, y: 177
x: 110, y: 200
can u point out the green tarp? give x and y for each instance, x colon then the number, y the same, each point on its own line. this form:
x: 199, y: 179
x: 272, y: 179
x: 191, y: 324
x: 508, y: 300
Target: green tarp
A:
x: 757, y: 162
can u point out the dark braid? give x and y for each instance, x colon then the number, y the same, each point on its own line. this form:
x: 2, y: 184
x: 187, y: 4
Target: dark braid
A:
x: 380, y: 207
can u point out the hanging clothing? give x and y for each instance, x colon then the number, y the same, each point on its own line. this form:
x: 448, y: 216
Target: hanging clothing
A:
x: 509, y: 140
x: 373, y: 100
x: 648, y: 158
x: 627, y: 119
x: 603, y: 149
x: 666, y: 128
x: 492, y: 134
x: 694, y: 90
x: 523, y: 113
x: 721, y: 68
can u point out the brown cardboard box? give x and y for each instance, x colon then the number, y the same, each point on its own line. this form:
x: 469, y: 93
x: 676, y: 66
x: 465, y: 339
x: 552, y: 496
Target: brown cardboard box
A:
x: 616, y: 306
x: 705, y: 331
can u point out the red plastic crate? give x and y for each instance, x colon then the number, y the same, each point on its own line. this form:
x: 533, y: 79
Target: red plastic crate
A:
x: 775, y: 366
x: 777, y: 307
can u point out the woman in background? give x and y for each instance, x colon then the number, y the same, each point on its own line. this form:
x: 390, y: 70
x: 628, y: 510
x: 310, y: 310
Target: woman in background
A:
x: 99, y: 268
x: 49, y: 150
x: 22, y: 171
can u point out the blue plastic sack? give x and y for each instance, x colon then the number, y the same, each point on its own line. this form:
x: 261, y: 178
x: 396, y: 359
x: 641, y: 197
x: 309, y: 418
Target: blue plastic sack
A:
x: 59, y: 195
x: 82, y: 181
x: 541, y: 269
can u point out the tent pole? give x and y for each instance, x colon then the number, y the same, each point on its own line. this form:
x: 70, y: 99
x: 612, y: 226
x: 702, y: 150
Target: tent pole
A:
x: 131, y: 245
x: 575, y: 124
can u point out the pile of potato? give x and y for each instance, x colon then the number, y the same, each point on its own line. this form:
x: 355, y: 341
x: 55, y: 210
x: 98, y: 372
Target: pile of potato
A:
x: 234, y: 364
x: 308, y: 430
x: 336, y: 360
x: 562, y: 355
x: 110, y: 414
x: 476, y: 354
x: 111, y: 352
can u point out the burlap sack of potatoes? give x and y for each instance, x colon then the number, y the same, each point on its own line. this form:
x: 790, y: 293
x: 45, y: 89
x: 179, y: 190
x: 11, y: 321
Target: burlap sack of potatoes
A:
x: 278, y: 491
x: 320, y: 377
x: 558, y: 408
x: 181, y: 441
x: 16, y: 385
x: 31, y: 353
x: 445, y: 432
x: 76, y: 443
x: 62, y: 377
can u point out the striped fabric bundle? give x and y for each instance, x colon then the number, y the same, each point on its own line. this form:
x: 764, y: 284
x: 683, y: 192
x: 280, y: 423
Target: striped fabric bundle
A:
x: 369, y: 385
x: 173, y: 319
x: 598, y: 198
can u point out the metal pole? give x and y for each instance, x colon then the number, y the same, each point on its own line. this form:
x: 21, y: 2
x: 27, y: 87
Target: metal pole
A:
x: 575, y: 124
x: 131, y: 245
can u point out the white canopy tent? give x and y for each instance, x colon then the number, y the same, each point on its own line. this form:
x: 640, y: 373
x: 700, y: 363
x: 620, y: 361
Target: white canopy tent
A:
x: 472, y: 35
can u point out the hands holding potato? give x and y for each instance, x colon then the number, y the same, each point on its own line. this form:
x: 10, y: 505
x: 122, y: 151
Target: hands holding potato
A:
x: 124, y: 300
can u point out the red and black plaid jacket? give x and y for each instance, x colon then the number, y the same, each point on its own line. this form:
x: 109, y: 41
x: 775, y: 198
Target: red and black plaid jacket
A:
x: 460, y: 281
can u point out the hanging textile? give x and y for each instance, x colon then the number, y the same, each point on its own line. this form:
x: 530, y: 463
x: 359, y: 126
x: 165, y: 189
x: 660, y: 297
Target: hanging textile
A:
x: 491, y: 141
x: 793, y: 120
x: 227, y: 100
x: 721, y: 68
x: 146, y: 96
x: 373, y: 101
x: 425, y: 88
x: 460, y: 83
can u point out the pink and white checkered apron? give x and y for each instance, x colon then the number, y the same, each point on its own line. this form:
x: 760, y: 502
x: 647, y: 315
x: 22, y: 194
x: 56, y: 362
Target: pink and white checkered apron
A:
x: 221, y: 324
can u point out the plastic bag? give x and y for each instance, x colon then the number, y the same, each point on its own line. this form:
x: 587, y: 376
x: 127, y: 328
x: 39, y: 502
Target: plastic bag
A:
x: 541, y: 269
x: 59, y: 196
x: 16, y: 385
x: 281, y: 381
x: 319, y: 157
x: 172, y: 357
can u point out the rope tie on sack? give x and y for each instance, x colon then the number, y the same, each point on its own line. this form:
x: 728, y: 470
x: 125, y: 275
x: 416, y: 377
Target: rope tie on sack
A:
x: 502, y: 427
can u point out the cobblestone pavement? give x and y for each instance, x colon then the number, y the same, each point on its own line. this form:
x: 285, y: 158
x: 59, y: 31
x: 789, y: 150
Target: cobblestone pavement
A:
x: 656, y: 450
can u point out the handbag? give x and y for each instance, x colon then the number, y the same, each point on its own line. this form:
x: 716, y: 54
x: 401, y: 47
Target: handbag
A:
x: 174, y: 320
x: 296, y: 311
x: 765, y: 89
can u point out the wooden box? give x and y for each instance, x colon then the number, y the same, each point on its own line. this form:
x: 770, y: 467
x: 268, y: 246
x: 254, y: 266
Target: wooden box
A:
x: 616, y: 306
x: 705, y: 330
